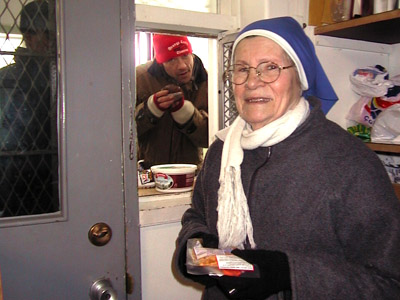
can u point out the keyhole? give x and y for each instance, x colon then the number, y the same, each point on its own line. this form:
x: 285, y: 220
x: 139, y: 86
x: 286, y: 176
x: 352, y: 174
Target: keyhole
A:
x: 105, y: 296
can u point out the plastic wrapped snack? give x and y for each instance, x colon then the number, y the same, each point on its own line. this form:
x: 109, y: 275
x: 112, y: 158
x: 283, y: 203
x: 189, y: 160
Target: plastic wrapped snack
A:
x: 145, y: 176
x: 215, y: 262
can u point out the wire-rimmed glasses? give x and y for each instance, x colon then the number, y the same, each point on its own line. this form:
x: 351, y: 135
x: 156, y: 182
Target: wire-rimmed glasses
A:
x: 267, y: 72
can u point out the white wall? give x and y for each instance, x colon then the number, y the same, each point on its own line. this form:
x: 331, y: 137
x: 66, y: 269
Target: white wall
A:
x: 158, y: 280
x: 394, y: 61
x: 252, y: 10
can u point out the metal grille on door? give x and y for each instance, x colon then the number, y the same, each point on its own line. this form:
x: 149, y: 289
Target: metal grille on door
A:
x: 28, y: 108
x: 229, y: 110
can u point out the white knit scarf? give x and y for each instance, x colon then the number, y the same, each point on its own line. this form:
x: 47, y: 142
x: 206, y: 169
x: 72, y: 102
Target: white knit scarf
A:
x: 234, y: 221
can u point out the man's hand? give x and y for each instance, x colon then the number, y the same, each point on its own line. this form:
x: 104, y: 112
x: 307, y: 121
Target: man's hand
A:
x: 164, y: 100
x: 170, y: 97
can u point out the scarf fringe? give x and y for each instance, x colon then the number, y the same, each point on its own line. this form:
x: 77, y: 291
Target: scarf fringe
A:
x: 234, y: 222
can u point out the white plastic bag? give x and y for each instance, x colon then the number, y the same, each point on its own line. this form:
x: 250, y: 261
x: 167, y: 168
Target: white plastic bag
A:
x: 395, y: 79
x: 366, y: 109
x: 370, y: 82
x: 386, y: 128
x: 360, y: 114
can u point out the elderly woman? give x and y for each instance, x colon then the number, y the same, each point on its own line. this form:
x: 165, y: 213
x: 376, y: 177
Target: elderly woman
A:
x: 296, y: 195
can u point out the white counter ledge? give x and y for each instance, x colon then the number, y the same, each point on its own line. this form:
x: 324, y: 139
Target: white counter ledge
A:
x: 157, y: 208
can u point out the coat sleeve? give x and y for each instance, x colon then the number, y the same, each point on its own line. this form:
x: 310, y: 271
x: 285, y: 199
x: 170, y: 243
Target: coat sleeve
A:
x: 146, y: 86
x: 197, y: 218
x: 196, y: 129
x: 365, y: 215
x: 145, y: 120
x: 193, y: 221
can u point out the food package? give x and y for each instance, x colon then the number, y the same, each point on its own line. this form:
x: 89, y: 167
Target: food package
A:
x: 216, y: 262
x: 145, y: 176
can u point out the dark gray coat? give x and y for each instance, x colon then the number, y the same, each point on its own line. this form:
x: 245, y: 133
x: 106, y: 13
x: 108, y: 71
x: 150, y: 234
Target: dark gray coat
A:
x: 322, y: 197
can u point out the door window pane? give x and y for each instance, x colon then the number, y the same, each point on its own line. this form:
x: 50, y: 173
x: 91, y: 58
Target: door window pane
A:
x: 209, y: 6
x: 28, y: 108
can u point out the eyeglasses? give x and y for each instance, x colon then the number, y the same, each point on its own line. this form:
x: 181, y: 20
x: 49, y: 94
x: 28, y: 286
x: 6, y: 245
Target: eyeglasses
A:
x: 268, y: 72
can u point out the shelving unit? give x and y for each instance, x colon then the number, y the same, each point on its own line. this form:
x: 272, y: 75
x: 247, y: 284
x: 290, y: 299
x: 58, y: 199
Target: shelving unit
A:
x: 391, y: 148
x: 388, y: 148
x: 379, y: 28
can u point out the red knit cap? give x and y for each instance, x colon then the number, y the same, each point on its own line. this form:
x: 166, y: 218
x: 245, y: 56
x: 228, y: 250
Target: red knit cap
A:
x: 167, y: 47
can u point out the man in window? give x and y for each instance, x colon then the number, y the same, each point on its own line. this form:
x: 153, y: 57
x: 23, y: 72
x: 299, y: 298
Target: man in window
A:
x: 172, y: 104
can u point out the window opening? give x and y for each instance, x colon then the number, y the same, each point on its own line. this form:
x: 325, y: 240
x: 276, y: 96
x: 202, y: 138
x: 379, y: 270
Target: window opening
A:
x: 9, y: 44
x: 144, y: 50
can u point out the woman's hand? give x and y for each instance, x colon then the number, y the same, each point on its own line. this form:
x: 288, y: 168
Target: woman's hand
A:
x: 208, y: 241
x: 273, y: 267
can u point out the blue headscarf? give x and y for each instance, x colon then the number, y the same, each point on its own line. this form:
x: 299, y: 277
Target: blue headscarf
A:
x: 288, y: 34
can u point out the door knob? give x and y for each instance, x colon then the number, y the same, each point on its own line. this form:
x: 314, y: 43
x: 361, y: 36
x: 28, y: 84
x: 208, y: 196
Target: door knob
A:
x: 102, y: 289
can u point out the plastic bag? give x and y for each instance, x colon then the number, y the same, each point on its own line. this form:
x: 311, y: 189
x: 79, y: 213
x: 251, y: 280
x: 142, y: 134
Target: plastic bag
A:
x: 359, y: 113
x: 215, y: 262
x: 396, y: 79
x: 366, y: 109
x: 370, y: 81
x: 386, y: 128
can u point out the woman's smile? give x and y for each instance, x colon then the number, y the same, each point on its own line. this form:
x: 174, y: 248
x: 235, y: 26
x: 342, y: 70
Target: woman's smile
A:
x: 258, y: 100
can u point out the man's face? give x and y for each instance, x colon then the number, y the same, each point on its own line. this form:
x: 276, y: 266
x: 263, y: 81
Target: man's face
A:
x: 37, y: 41
x: 180, y: 68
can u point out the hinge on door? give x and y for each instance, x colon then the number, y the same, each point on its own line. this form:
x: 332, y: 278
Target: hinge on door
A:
x: 129, y: 283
